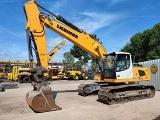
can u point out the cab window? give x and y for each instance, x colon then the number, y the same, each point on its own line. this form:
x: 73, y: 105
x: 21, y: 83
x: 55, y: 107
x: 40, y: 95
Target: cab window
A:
x: 122, y: 62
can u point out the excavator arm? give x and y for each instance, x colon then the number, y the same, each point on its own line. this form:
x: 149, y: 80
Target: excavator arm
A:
x: 53, y: 52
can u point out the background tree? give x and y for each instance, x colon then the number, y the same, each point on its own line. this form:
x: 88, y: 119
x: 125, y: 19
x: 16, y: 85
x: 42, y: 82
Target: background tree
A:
x: 145, y: 45
x: 78, y: 65
x: 82, y: 55
x: 69, y: 59
x: 94, y: 65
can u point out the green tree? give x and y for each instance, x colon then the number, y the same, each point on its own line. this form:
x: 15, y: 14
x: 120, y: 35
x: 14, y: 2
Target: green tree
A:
x: 69, y: 59
x: 94, y: 65
x: 82, y: 55
x: 145, y: 45
x: 78, y: 65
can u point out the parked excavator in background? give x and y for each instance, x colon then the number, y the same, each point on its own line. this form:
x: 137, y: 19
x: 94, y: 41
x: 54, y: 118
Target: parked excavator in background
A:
x: 116, y: 73
x: 53, y: 71
x: 24, y: 74
x: 53, y: 52
x: 19, y: 70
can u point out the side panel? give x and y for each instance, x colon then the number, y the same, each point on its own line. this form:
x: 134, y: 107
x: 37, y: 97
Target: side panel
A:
x: 141, y: 73
x: 154, y: 66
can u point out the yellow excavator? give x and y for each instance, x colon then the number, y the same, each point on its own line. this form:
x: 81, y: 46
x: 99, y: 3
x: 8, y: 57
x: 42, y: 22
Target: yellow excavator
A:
x: 54, y: 71
x: 114, y: 80
x: 53, y: 52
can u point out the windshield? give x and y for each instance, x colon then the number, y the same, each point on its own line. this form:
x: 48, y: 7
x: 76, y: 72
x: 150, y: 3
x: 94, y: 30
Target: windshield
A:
x: 108, y: 66
x: 109, y: 62
x: 123, y: 62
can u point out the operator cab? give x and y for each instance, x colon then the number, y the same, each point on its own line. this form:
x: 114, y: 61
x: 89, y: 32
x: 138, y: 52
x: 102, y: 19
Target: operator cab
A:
x: 117, y: 65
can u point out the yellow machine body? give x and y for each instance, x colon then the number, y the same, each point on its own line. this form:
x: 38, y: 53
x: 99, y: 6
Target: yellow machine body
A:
x: 121, y: 72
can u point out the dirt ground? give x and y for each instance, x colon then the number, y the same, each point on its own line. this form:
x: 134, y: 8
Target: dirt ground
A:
x: 75, y: 107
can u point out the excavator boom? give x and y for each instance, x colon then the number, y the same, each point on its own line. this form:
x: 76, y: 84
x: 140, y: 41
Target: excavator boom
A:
x: 63, y: 28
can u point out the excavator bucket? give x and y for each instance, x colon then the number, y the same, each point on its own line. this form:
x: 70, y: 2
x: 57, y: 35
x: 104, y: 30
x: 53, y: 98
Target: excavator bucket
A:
x: 42, y: 100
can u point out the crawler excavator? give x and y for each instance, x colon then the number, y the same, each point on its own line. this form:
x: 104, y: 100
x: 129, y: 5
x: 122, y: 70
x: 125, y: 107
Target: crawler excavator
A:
x: 53, y: 52
x: 116, y: 69
x: 54, y: 71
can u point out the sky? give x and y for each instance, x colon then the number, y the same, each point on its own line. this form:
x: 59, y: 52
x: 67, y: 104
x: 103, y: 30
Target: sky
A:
x: 113, y: 21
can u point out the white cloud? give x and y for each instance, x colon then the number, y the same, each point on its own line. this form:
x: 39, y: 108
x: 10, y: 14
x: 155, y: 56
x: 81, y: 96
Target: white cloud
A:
x: 18, y: 53
x: 18, y: 34
x: 124, y: 42
x: 95, y: 21
x: 1, y: 53
x: 120, y: 45
x: 113, y: 50
x: 14, y: 54
x: 52, y: 42
x: 57, y: 5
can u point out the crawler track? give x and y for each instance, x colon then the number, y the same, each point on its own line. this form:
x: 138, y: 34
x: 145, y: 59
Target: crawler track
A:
x: 125, y: 93
x: 88, y: 89
x: 117, y: 94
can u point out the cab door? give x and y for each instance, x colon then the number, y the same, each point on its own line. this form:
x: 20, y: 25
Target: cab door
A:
x: 123, y: 66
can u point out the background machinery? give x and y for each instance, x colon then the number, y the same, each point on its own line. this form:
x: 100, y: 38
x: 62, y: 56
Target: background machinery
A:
x: 53, y: 52
x: 16, y: 70
x: 76, y: 75
x: 19, y: 70
x: 53, y: 71
x: 114, y: 81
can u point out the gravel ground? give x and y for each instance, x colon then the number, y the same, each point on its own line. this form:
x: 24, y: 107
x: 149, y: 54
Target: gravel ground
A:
x: 75, y: 107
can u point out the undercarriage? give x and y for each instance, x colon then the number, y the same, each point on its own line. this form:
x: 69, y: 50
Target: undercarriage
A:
x: 114, y: 94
